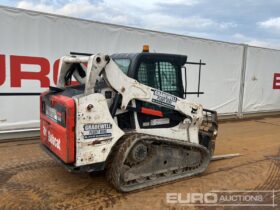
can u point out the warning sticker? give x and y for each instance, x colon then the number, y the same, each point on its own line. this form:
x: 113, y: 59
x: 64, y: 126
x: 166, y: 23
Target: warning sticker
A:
x: 97, y: 130
x: 164, y: 99
x: 53, y: 114
x: 161, y: 121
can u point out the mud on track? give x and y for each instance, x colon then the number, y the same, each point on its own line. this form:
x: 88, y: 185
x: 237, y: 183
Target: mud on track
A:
x: 29, y: 179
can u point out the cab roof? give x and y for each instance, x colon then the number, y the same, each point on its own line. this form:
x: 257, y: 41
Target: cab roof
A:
x: 134, y: 57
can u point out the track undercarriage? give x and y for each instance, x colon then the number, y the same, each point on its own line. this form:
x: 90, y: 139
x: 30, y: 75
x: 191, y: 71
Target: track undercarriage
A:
x: 142, y: 160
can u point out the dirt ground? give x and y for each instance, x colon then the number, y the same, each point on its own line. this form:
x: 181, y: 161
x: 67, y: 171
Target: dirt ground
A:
x: 29, y: 179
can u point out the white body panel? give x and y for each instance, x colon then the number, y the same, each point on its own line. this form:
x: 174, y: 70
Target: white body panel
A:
x: 87, y: 150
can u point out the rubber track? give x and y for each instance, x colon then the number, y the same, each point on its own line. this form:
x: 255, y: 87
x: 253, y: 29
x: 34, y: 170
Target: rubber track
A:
x: 119, y: 154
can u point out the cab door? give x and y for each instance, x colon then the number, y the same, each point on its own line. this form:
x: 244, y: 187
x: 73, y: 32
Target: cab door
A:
x: 164, y: 75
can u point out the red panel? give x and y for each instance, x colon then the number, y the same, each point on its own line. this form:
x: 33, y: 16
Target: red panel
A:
x: 276, y: 81
x: 151, y: 112
x: 60, y: 140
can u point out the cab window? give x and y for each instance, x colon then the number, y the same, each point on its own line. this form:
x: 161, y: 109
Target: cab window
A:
x: 123, y: 64
x: 161, y: 75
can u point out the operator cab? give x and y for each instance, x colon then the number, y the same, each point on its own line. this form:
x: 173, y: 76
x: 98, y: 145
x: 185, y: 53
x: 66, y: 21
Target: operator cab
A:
x: 159, y: 71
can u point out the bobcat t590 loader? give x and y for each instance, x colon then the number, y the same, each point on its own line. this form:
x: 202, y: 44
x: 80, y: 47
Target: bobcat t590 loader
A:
x: 128, y: 116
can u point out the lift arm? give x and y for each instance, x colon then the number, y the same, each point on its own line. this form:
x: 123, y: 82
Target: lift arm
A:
x: 103, y: 66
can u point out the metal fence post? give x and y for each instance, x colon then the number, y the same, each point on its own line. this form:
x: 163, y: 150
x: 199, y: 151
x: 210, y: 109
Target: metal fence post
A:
x: 242, y: 81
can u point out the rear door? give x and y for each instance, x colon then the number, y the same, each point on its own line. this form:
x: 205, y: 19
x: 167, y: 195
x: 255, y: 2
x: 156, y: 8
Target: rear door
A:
x: 57, y: 121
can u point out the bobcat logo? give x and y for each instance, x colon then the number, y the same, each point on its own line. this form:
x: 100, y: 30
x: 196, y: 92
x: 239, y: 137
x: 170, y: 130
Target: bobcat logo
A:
x: 54, y: 141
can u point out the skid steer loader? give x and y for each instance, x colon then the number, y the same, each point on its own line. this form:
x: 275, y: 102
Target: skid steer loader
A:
x: 127, y: 115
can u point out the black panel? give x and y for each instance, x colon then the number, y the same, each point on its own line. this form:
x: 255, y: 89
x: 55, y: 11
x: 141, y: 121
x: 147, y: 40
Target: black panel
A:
x: 73, y: 91
x: 126, y: 121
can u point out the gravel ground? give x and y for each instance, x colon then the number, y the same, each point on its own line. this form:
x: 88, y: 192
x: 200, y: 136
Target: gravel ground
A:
x: 29, y: 179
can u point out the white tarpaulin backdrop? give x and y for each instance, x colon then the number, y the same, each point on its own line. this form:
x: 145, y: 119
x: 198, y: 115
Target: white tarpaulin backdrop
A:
x: 26, y: 33
x: 259, y: 94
